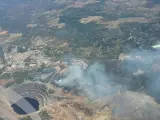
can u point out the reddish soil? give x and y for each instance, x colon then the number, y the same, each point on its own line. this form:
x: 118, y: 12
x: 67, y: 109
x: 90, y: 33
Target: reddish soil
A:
x: 4, y: 82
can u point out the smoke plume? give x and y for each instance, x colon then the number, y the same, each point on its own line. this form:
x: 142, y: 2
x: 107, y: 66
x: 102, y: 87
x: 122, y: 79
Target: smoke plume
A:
x: 94, y: 82
x: 142, y: 71
x: 145, y: 69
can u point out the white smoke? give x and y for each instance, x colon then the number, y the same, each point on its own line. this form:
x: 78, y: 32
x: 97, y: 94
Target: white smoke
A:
x: 94, y: 82
x: 147, y: 64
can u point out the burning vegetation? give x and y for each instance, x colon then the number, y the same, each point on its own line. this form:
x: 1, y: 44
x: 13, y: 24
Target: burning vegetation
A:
x: 81, y: 59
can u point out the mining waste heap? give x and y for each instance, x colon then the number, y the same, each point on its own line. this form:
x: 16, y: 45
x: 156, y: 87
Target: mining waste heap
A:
x: 33, y: 90
x: 34, y: 93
